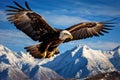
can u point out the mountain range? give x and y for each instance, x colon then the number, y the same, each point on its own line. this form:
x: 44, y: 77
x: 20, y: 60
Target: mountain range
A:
x: 78, y: 63
x: 83, y: 61
x: 22, y: 66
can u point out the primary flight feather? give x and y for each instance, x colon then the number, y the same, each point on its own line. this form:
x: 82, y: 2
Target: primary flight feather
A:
x: 35, y: 26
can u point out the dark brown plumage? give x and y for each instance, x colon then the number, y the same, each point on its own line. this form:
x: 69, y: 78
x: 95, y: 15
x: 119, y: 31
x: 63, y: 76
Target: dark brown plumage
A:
x: 35, y: 26
x: 88, y: 29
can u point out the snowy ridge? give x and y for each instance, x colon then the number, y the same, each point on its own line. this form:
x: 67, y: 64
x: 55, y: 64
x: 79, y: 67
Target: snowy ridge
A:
x: 22, y: 66
x: 83, y: 61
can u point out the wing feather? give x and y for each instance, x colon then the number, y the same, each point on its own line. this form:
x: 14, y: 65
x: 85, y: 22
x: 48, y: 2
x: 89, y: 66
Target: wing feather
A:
x: 22, y: 8
x: 28, y: 21
x: 27, y: 6
x: 13, y: 7
x: 89, y: 29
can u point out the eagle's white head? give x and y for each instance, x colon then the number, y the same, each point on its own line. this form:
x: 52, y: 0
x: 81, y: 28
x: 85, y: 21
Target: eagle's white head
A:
x: 65, y: 35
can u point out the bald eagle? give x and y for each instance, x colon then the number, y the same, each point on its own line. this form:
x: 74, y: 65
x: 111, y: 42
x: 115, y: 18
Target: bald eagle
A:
x: 36, y: 27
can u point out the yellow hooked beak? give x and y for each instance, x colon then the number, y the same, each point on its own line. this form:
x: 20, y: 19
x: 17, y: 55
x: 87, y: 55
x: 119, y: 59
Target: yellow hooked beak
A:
x: 71, y: 37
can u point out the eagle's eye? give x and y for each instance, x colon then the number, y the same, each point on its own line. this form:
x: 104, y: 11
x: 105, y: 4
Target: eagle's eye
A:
x: 65, y: 34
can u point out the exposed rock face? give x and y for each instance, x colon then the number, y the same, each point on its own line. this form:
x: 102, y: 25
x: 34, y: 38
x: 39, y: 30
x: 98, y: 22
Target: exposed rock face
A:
x: 115, y: 75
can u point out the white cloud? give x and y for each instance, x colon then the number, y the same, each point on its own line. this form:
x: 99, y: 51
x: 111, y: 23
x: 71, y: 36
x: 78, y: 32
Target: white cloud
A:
x: 71, y: 16
x: 3, y: 16
x: 53, y: 17
x: 64, y: 19
x: 103, y: 45
x: 14, y: 38
x: 97, y: 9
x: 12, y: 33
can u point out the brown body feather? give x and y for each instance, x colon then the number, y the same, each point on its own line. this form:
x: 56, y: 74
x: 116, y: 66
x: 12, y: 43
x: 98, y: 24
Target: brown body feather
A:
x: 45, y: 49
x: 36, y: 52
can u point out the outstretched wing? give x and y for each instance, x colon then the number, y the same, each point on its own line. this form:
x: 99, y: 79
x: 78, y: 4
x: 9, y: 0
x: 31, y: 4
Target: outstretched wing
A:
x: 89, y: 29
x: 28, y: 21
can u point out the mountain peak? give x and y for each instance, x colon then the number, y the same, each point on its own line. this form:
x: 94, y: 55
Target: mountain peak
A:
x: 3, y: 48
x: 79, y: 50
x: 85, y: 47
x: 117, y: 48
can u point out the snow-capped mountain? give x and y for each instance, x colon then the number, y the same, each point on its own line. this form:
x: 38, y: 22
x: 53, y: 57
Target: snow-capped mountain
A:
x: 79, y: 62
x: 83, y: 61
x: 21, y: 66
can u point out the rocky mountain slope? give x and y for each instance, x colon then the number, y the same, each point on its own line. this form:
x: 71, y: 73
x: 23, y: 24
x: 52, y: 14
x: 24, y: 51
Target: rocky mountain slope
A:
x: 115, y: 75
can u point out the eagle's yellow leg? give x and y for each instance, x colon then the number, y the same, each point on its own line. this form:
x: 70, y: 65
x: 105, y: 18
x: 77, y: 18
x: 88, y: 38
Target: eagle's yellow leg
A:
x: 50, y: 54
x: 43, y: 55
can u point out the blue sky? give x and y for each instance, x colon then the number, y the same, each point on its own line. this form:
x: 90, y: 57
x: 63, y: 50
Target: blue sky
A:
x: 62, y: 14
